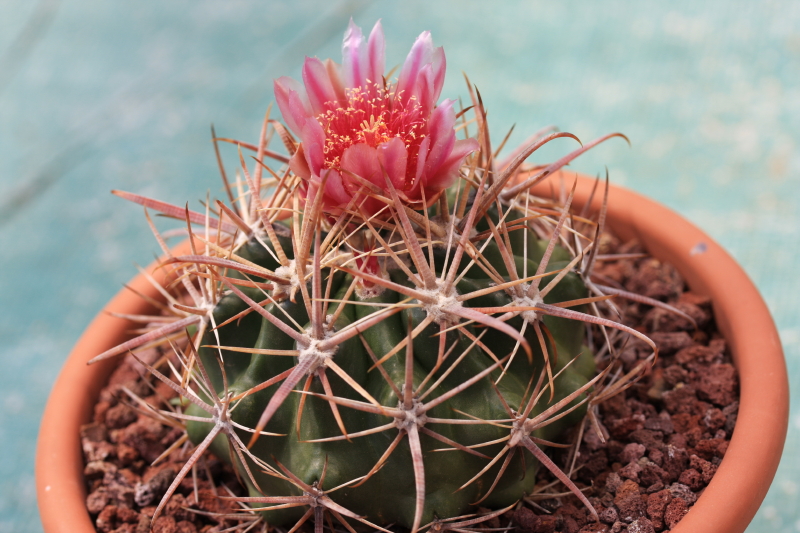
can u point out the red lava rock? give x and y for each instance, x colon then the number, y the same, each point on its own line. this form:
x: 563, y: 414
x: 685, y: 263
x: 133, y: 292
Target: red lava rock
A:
x: 106, y: 520
x: 669, y: 343
x: 608, y: 515
x: 630, y: 471
x: 706, y: 468
x: 629, y: 501
x: 648, y: 438
x: 718, y: 384
x: 677, y: 440
x: 675, y: 462
x: 547, y: 524
x: 675, y: 374
x: 527, y: 520
x: 613, y: 482
x: 657, y: 506
x: 165, y: 524
x: 125, y: 514
x: 592, y: 441
x: 119, y: 416
x: 94, y: 432
x: 144, y: 436
x: 692, y: 479
x: 662, y: 424
x: 683, y: 422
x: 655, y: 279
x: 144, y: 524
x: 679, y: 490
x: 570, y: 525
x: 176, y: 508
x: 127, y: 454
x: 656, y: 456
x: 184, y: 526
x: 681, y: 399
x: 99, y: 469
x: 622, y: 427
x: 651, y: 474
x: 709, y: 448
x: 632, y: 452
x: 97, y: 500
x: 676, y: 510
x: 616, y: 407
x: 97, y: 451
x: 641, y: 525
x: 667, y: 321
x: 594, y: 465
x: 595, y: 527
x: 697, y: 353
x: 616, y: 527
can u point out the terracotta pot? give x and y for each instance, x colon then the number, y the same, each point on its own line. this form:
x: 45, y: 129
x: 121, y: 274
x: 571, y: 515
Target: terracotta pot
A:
x: 726, y: 506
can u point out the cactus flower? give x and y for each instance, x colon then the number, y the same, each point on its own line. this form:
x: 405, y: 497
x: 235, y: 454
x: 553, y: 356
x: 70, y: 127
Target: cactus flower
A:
x: 355, y: 126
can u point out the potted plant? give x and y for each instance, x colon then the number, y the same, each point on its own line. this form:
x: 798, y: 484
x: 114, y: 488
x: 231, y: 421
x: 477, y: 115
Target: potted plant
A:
x: 401, y: 238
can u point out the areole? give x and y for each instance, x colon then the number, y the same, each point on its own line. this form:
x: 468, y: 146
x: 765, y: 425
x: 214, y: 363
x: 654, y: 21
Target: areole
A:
x: 726, y: 506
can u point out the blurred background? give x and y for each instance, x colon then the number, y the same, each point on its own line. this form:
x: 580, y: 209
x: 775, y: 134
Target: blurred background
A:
x: 96, y: 95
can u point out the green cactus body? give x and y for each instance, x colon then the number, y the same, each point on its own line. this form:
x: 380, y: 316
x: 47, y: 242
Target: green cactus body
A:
x: 388, y: 496
x: 401, y: 349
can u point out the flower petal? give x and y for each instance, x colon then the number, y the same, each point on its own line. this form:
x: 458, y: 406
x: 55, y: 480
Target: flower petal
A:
x: 313, y: 145
x: 422, y: 157
x: 362, y: 160
x: 439, y: 65
x: 423, y: 90
x: 298, y: 163
x: 376, y: 54
x: 353, y: 56
x: 393, y: 157
x: 318, y: 85
x: 334, y: 75
x: 420, y: 54
x: 336, y: 193
x: 441, y: 134
x: 292, y: 105
x: 447, y: 172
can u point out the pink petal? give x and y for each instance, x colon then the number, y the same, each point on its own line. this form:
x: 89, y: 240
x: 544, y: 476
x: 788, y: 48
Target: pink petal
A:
x: 353, y: 56
x: 441, y: 134
x: 318, y: 85
x: 424, y: 89
x: 439, y: 66
x: 298, y: 163
x: 419, y: 55
x: 362, y: 160
x: 447, y: 172
x: 336, y: 79
x: 422, y: 157
x: 336, y: 194
x: 291, y: 104
x: 313, y: 144
x: 393, y: 157
x: 376, y: 54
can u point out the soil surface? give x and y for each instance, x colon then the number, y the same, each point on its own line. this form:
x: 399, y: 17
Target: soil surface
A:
x: 662, y: 438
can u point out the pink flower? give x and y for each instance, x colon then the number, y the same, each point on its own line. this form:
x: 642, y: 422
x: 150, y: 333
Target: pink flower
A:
x: 354, y: 125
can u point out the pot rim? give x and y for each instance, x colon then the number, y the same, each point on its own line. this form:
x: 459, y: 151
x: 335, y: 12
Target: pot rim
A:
x: 727, y: 505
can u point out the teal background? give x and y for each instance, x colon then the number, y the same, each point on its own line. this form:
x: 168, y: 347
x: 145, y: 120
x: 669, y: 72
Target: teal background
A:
x: 96, y: 95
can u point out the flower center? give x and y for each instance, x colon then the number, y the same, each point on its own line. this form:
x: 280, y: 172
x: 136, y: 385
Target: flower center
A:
x: 372, y: 116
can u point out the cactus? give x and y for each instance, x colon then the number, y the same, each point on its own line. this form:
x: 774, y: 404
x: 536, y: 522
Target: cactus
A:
x: 394, y: 333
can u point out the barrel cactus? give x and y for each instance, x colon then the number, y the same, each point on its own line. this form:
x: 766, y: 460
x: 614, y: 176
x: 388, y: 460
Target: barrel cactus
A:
x: 394, y: 331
